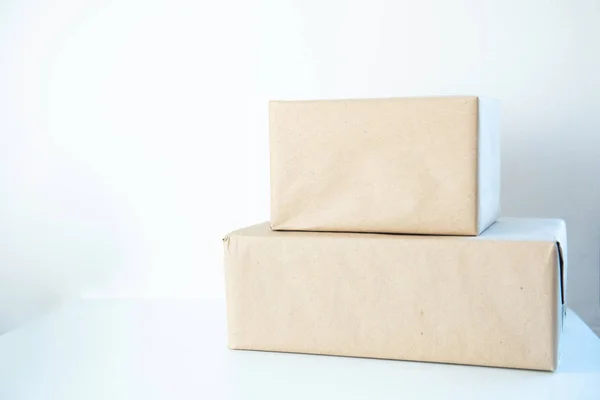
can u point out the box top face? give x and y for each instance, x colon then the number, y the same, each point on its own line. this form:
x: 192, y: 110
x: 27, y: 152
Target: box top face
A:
x: 505, y: 229
x: 399, y: 165
x: 534, y: 229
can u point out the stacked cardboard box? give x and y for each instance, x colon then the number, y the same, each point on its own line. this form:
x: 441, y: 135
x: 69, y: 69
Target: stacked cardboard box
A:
x: 385, y: 241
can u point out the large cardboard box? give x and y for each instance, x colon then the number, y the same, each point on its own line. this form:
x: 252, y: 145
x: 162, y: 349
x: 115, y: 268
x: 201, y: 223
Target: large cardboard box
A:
x: 494, y: 300
x: 400, y: 165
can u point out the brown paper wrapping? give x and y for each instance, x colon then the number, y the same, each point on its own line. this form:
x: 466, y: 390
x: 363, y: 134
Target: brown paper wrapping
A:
x: 401, y: 165
x: 494, y: 300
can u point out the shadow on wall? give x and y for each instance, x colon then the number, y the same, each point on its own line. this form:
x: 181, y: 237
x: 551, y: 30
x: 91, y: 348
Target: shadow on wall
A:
x: 59, y: 233
x: 561, y: 179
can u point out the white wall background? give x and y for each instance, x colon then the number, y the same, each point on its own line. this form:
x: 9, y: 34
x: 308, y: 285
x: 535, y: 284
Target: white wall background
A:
x: 133, y: 134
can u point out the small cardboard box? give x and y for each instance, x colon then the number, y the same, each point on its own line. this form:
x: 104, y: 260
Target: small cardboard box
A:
x: 494, y: 300
x: 399, y: 165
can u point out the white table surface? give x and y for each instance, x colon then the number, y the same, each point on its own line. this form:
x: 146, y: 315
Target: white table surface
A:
x: 176, y: 349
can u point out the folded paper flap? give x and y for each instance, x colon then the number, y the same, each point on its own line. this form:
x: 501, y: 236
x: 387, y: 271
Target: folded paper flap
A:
x: 229, y: 244
x: 561, y: 266
x: 562, y: 311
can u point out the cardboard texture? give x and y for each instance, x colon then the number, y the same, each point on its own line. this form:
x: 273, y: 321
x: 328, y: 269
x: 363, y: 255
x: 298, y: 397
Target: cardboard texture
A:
x: 493, y: 300
x: 399, y: 165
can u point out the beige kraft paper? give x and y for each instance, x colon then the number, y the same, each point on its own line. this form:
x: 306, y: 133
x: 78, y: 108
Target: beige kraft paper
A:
x: 493, y: 300
x: 400, y: 165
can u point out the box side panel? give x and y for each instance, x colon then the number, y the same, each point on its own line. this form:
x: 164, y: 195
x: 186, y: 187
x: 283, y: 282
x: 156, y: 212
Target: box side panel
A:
x: 424, y: 299
x: 488, y: 168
